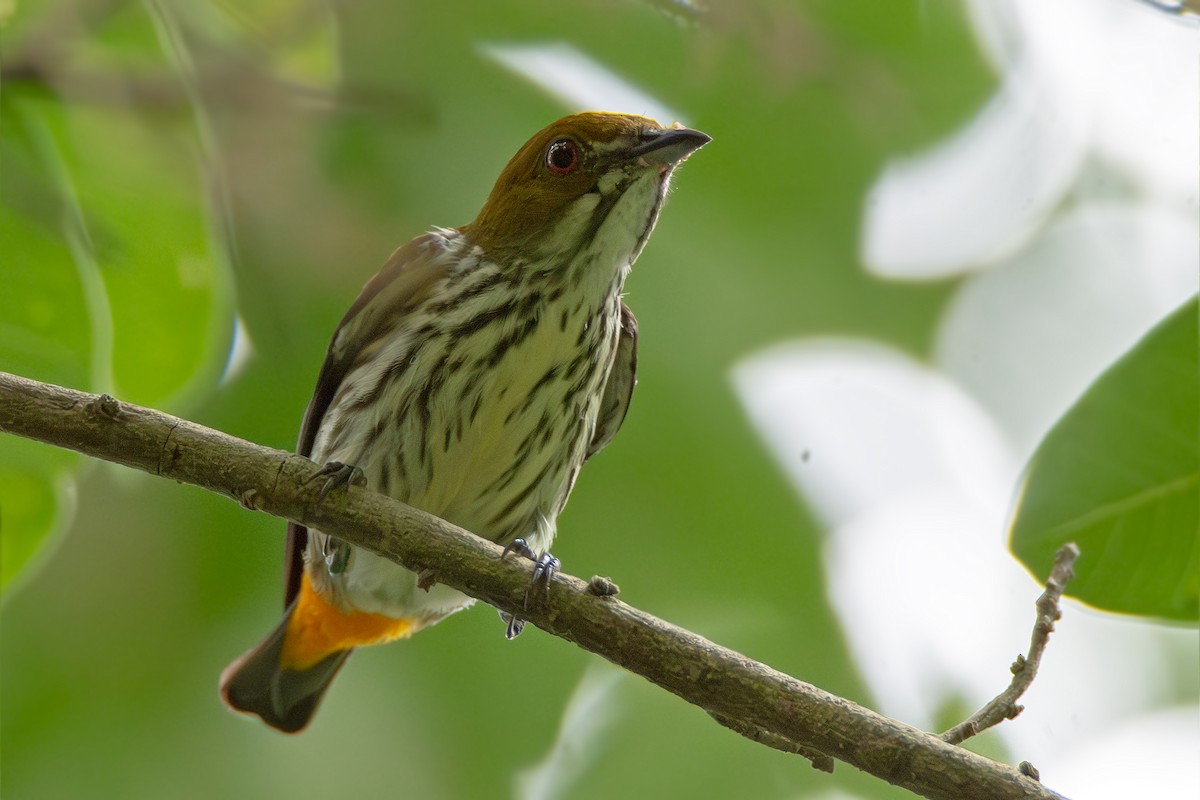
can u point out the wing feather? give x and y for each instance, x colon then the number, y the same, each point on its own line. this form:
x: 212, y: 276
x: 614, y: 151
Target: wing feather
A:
x: 619, y: 389
x: 404, y: 281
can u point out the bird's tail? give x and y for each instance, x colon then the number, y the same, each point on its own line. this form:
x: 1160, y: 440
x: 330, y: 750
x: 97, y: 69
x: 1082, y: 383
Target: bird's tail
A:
x: 286, y: 699
x: 283, y: 679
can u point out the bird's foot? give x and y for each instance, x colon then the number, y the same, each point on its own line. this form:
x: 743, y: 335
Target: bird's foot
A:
x: 544, y: 567
x: 336, y: 474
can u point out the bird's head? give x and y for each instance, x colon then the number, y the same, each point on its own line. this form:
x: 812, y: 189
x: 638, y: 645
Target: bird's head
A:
x: 585, y: 176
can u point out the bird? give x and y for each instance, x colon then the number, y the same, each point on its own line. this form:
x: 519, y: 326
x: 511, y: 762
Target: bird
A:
x: 472, y: 377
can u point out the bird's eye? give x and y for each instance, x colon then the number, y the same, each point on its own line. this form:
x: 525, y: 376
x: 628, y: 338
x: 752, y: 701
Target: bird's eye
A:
x: 562, y: 157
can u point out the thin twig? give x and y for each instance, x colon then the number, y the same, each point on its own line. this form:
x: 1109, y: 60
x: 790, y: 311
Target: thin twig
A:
x: 1004, y: 705
x: 720, y: 681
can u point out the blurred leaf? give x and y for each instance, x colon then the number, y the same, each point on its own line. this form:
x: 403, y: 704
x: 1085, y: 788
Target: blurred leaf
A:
x: 35, y: 502
x: 112, y: 282
x: 138, y: 195
x: 300, y: 39
x: 1120, y: 476
x: 587, y: 721
x: 46, y: 332
x: 44, y: 325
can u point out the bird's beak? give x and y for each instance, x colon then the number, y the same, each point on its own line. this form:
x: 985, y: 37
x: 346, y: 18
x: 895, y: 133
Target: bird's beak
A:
x: 667, y: 147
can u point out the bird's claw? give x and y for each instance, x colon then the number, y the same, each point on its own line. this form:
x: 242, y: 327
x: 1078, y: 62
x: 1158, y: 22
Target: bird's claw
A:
x: 513, y: 625
x: 544, y: 567
x: 520, y: 547
x: 543, y: 572
x: 336, y: 474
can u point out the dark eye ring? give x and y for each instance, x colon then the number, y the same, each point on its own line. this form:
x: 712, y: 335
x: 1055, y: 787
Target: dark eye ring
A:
x: 562, y: 157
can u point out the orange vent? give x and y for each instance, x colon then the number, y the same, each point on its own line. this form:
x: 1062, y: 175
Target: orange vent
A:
x: 317, y: 629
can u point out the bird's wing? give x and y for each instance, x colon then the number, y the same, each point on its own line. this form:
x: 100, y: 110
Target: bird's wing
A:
x: 406, y: 279
x: 619, y: 388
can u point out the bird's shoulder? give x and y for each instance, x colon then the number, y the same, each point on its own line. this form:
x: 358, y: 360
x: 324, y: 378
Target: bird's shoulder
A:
x: 404, y: 281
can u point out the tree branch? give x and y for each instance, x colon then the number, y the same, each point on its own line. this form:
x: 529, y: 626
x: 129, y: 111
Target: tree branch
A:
x: 750, y: 697
x: 1004, y: 705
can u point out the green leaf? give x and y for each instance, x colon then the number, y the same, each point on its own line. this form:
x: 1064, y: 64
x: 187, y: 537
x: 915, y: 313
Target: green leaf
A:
x: 36, y: 503
x: 113, y: 283
x: 141, y: 203
x: 1119, y: 475
x: 44, y: 333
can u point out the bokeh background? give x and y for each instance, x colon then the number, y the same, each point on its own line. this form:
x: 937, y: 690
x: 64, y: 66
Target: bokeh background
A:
x: 195, y: 191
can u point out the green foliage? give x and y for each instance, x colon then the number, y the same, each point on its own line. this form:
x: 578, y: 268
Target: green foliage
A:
x: 151, y: 145
x: 44, y: 331
x: 115, y: 283
x: 1120, y: 476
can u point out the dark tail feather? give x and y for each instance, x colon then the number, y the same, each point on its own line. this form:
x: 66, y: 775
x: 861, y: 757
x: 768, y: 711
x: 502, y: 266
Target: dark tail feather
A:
x: 286, y: 699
